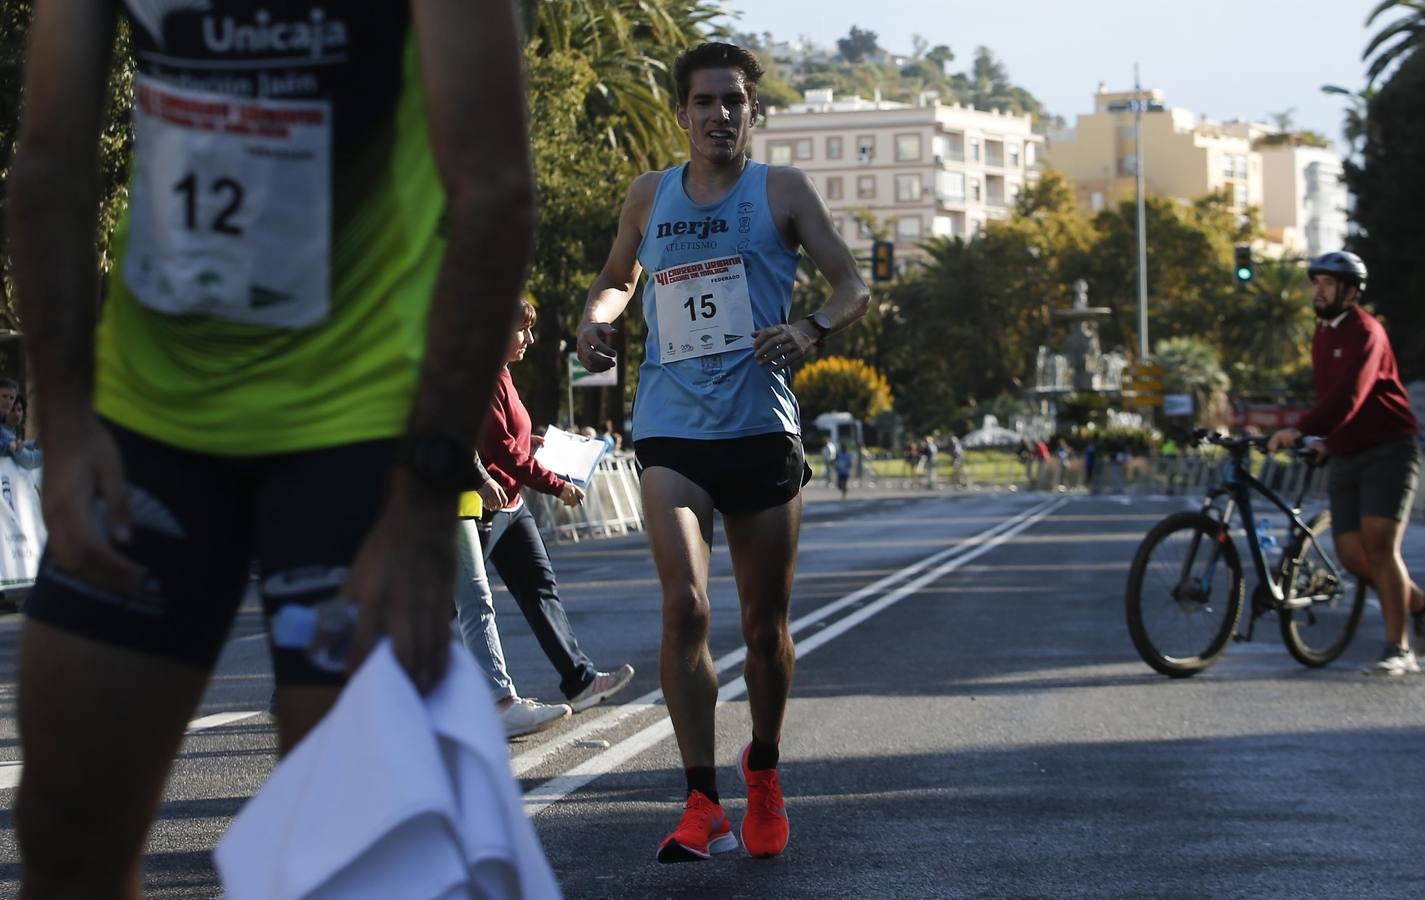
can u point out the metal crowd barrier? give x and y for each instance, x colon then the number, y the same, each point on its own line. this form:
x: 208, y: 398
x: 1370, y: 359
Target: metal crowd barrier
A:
x: 611, y: 505
x: 1180, y: 474
x: 1188, y: 475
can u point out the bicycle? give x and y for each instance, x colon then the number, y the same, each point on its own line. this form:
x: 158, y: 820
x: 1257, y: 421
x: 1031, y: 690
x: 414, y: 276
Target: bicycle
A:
x: 1187, y: 576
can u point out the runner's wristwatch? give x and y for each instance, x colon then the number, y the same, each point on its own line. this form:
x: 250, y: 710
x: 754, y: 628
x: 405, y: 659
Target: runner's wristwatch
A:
x: 439, y: 461
x: 822, y: 324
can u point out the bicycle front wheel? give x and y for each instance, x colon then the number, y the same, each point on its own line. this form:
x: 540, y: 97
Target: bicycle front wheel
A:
x: 1322, y: 610
x: 1184, y: 594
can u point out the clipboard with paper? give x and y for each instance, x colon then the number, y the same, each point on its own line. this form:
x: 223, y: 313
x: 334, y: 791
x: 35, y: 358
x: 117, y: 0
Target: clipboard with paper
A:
x: 572, y: 456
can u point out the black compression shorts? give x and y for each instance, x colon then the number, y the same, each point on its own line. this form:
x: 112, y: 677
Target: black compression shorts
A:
x: 199, y: 524
x: 742, y: 475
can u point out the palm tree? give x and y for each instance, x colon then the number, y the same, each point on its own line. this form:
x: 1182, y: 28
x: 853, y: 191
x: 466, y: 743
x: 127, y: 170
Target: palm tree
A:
x: 1410, y: 29
x: 1191, y: 365
x: 1354, y: 129
x: 630, y: 46
x: 1269, y: 333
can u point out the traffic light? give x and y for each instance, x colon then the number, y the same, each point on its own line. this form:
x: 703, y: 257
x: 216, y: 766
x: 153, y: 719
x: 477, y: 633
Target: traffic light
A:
x: 1242, y: 254
x: 883, y: 261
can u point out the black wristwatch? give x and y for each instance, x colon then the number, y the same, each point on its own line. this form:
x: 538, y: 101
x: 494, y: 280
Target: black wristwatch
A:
x: 822, y: 324
x: 439, y: 461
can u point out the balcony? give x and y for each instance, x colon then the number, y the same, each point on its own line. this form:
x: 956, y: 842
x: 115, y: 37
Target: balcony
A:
x: 995, y: 196
x: 994, y: 154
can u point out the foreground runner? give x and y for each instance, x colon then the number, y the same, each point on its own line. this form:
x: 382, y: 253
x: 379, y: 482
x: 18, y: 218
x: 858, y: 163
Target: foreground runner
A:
x: 283, y: 309
x: 715, y: 424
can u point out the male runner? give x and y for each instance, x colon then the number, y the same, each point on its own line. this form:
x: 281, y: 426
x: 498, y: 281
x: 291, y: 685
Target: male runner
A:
x: 715, y: 424
x: 1363, y: 414
x: 291, y: 366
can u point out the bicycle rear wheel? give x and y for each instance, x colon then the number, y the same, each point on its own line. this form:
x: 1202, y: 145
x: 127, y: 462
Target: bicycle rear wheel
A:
x: 1184, y: 594
x: 1321, y: 627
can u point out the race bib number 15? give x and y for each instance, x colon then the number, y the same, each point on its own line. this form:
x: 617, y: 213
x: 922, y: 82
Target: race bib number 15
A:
x: 230, y: 215
x: 703, y: 308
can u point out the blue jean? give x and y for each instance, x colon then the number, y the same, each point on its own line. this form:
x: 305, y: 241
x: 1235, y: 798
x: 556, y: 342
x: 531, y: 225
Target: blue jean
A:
x: 516, y: 550
x: 475, y: 612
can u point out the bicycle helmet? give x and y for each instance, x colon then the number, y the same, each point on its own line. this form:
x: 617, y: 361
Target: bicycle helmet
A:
x: 1341, y: 264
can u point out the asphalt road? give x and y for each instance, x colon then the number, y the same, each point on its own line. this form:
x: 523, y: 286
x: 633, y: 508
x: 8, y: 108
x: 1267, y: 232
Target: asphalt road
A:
x: 968, y: 719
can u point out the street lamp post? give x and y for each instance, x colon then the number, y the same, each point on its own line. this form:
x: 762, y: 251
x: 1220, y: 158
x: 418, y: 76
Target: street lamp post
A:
x: 1142, y: 217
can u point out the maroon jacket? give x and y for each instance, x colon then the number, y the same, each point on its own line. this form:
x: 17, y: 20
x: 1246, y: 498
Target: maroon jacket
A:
x: 1360, y: 400
x: 504, y: 446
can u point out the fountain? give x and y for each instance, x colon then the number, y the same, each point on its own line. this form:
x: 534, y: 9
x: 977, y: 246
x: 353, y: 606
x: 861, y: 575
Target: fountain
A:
x: 1082, y: 366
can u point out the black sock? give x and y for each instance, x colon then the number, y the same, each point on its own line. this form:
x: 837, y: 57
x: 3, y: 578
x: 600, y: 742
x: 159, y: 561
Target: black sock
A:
x: 762, y: 755
x: 702, y: 778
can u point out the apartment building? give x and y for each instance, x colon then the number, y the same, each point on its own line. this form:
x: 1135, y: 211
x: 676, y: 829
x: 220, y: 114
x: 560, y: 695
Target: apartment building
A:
x: 1305, y: 205
x: 1184, y: 157
x: 907, y: 171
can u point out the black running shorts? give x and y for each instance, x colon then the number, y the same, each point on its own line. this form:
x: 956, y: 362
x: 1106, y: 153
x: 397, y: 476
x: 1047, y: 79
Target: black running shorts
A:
x: 1379, y: 481
x: 199, y: 524
x: 742, y: 475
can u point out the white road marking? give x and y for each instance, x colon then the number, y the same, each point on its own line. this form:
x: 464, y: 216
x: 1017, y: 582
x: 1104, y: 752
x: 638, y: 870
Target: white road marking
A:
x: 537, y: 756
x: 10, y: 771
x: 218, y: 719
x: 548, y: 793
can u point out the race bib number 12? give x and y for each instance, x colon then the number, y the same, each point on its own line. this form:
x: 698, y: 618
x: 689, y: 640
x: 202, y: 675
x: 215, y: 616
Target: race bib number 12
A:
x: 703, y: 308
x: 230, y: 215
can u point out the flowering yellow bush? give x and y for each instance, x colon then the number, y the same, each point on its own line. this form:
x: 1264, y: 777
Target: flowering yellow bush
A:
x: 836, y: 383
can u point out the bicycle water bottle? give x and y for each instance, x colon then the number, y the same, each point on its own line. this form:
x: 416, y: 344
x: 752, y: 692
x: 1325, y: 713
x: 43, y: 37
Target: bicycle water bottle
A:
x: 323, y: 631
x: 1271, y: 547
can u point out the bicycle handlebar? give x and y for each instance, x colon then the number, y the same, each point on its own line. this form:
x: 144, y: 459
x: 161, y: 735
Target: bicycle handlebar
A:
x: 1240, y: 445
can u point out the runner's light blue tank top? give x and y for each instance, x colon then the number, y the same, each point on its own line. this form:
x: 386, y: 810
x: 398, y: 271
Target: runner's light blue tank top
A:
x: 724, y: 395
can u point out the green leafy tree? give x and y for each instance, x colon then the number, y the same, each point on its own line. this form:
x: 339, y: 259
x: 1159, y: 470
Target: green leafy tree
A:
x: 941, y: 55
x: 630, y: 46
x: 839, y: 384
x: 581, y: 184
x: 1353, y: 129
x: 1192, y: 366
x: 968, y: 326
x: 1387, y: 183
x: 858, y: 45
x: 1269, y: 330
x: 1408, y: 32
x: 1189, y: 259
x: 115, y: 140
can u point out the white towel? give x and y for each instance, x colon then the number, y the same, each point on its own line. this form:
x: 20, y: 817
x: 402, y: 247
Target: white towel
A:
x: 393, y: 795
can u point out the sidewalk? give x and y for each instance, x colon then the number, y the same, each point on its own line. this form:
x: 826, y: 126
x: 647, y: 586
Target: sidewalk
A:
x: 898, y: 488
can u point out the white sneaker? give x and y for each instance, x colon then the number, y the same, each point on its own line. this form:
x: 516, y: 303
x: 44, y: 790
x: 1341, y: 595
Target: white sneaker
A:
x: 526, y: 716
x: 604, y: 686
x: 1394, y: 661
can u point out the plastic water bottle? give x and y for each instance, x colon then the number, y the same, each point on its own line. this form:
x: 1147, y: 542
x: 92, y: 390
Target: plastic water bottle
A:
x: 1271, y: 547
x: 324, y: 631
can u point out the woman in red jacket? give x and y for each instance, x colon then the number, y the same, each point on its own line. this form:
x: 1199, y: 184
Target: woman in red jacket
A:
x: 513, y: 544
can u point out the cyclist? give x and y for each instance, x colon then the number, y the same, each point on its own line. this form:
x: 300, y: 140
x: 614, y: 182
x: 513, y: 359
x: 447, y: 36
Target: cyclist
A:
x: 715, y: 424
x: 297, y: 170
x: 1363, y: 417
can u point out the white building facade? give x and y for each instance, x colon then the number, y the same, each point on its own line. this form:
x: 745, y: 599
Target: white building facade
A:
x: 1305, y: 202
x: 904, y: 172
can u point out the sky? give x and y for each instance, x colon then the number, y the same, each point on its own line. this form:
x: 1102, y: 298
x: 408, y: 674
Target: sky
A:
x: 1226, y: 59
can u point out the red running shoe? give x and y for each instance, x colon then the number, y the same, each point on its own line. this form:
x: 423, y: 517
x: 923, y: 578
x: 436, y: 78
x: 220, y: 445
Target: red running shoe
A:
x: 703, y: 831
x: 764, y: 829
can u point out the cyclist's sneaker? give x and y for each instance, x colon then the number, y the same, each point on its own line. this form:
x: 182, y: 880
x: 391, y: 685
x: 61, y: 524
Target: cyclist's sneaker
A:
x: 764, y: 828
x: 1394, y: 661
x: 604, y: 686
x: 703, y: 831
x: 526, y: 716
